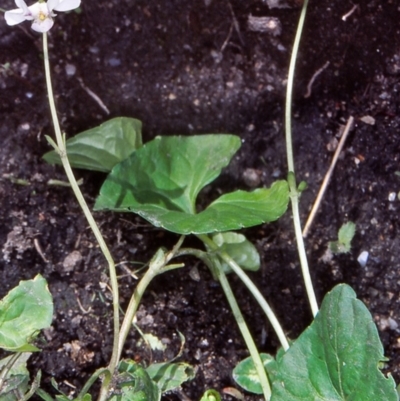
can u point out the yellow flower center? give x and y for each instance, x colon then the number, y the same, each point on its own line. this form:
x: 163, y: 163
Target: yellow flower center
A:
x: 42, y: 16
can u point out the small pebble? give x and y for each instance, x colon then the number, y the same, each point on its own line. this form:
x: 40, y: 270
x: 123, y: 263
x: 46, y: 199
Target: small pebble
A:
x: 363, y: 258
x: 70, y: 70
x: 392, y: 196
x: 393, y: 325
x: 251, y: 178
x: 368, y: 120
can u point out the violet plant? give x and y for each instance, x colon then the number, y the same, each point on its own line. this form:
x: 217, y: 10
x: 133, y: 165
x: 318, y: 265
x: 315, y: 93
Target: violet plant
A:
x: 337, y: 358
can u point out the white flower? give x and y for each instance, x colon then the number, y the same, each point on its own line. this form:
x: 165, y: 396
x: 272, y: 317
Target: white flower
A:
x: 41, y: 13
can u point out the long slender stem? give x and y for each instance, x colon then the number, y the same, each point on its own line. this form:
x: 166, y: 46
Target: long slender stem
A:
x: 253, y: 289
x: 251, y: 346
x: 78, y: 194
x: 302, y: 250
x: 289, y: 88
x: 157, y: 266
x: 294, y: 194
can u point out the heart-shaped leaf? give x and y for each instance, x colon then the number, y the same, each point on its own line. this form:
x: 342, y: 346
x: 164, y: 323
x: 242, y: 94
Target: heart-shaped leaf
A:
x: 239, y: 248
x: 337, y: 358
x: 24, y: 311
x: 102, y: 147
x: 245, y: 374
x: 161, y: 181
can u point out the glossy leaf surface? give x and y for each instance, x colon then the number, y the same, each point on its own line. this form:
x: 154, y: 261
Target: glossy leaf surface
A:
x: 161, y: 181
x: 337, y: 358
x: 102, y: 147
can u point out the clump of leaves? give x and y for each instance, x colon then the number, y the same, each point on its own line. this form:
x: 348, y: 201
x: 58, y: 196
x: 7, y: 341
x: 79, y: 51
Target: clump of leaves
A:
x: 345, y: 236
x: 337, y: 358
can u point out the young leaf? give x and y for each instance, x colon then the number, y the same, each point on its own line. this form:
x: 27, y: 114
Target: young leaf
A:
x: 170, y: 376
x: 242, y: 251
x: 245, y: 373
x: 160, y: 182
x: 337, y: 358
x: 345, y: 236
x: 17, y: 379
x: 211, y: 395
x: 154, y: 342
x: 102, y: 147
x: 24, y: 311
x: 135, y: 384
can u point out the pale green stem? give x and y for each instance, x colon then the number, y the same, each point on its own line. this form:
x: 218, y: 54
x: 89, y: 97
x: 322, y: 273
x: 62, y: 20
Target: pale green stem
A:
x: 78, y: 194
x: 253, y: 289
x: 294, y: 195
x: 248, y: 338
x: 289, y: 88
x: 157, y: 266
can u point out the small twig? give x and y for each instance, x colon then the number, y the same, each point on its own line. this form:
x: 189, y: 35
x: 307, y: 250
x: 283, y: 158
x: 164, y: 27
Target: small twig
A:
x: 227, y: 39
x: 347, y: 15
x: 328, y: 175
x: 84, y: 311
x: 314, y: 77
x: 93, y: 96
x: 236, y: 23
x: 38, y: 248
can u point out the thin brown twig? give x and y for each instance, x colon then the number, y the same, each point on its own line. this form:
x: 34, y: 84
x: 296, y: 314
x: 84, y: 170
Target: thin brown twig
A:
x: 314, y: 77
x: 328, y: 175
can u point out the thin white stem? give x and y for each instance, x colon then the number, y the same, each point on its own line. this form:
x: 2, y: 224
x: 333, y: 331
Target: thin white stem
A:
x: 253, y: 289
x: 78, y: 194
x: 294, y: 193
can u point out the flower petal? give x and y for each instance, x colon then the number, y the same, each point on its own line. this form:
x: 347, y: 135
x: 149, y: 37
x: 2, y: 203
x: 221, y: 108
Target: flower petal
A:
x: 52, y: 4
x: 14, y: 17
x: 63, y: 5
x: 22, y: 5
x: 42, y: 26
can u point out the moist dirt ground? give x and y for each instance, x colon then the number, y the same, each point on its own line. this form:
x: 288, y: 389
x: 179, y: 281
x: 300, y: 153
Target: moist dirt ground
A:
x: 203, y: 66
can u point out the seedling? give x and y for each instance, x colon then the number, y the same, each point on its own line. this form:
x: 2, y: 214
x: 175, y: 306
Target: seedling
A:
x: 345, y: 236
x: 336, y: 358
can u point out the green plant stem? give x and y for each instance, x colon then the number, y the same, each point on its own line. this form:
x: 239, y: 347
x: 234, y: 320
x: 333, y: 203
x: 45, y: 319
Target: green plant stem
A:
x: 78, y: 194
x: 252, y: 288
x: 248, y: 338
x: 92, y: 379
x: 157, y: 266
x: 289, y: 88
x: 294, y: 195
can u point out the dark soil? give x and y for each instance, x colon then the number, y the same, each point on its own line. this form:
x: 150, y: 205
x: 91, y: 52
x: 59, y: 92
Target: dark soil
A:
x: 186, y: 67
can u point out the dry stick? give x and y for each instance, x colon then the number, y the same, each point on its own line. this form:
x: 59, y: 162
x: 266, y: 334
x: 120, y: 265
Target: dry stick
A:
x: 313, y: 78
x: 328, y: 176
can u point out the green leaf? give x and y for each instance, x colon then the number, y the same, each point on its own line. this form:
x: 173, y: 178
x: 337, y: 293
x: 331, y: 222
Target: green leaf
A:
x: 24, y: 311
x: 161, y: 181
x: 246, y: 376
x: 17, y: 379
x: 168, y: 172
x: 346, y: 233
x: 345, y: 236
x: 337, y: 358
x: 170, y: 376
x: 102, y: 147
x: 211, y: 395
x: 135, y: 384
x: 154, y: 342
x: 241, y: 250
